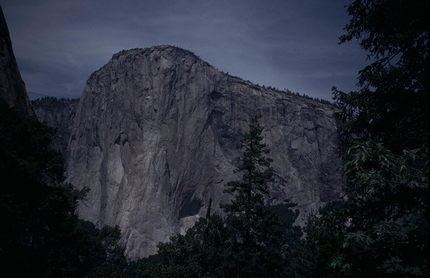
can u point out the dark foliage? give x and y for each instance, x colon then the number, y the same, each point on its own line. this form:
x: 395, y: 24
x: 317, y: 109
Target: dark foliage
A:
x: 41, y: 235
x: 381, y: 228
x: 392, y: 104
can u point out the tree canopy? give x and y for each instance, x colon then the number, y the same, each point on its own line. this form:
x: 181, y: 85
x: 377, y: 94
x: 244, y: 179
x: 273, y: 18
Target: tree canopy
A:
x: 381, y: 227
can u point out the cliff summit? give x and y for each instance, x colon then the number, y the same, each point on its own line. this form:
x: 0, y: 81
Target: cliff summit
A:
x: 154, y: 137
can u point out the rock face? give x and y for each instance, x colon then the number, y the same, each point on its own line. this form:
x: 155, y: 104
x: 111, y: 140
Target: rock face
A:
x: 155, y: 135
x: 12, y: 88
x: 59, y: 114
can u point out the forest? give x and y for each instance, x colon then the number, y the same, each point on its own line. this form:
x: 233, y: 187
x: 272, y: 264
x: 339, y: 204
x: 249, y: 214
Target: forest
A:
x: 379, y: 228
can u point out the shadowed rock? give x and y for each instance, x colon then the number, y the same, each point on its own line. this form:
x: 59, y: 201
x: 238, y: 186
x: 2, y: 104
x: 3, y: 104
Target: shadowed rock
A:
x: 12, y: 88
x: 59, y: 114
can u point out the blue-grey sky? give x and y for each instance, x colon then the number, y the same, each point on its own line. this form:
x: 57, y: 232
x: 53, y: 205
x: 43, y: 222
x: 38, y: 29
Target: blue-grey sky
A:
x: 289, y: 44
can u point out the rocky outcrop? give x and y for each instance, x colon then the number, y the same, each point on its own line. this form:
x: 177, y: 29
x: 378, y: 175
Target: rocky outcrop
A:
x: 12, y: 87
x: 155, y: 135
x: 59, y: 114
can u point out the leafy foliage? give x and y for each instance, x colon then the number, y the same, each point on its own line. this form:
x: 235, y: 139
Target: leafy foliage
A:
x: 393, y: 96
x: 384, y: 219
x: 381, y: 228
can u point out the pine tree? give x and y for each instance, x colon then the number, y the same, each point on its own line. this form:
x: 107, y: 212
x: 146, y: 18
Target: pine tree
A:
x: 257, y: 237
x: 246, y: 210
x: 255, y: 240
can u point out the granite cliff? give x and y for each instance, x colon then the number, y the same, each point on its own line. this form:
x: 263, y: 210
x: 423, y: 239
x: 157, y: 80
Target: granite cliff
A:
x: 59, y: 114
x: 154, y: 137
x: 155, y: 134
x: 12, y: 87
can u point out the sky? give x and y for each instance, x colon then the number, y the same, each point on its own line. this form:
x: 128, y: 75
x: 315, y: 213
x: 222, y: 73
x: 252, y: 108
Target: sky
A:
x: 286, y: 44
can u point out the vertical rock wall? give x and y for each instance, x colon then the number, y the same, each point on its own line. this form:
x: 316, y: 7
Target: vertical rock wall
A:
x: 155, y: 135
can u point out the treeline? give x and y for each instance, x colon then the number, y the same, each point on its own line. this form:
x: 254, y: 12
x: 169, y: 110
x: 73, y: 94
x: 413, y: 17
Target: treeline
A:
x: 305, y: 96
x: 52, y: 99
x: 288, y: 92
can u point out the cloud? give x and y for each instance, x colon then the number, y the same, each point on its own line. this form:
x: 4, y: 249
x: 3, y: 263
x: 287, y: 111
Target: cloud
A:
x: 285, y: 44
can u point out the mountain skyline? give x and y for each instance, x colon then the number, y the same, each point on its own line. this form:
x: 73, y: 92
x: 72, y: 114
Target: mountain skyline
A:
x: 282, y: 44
